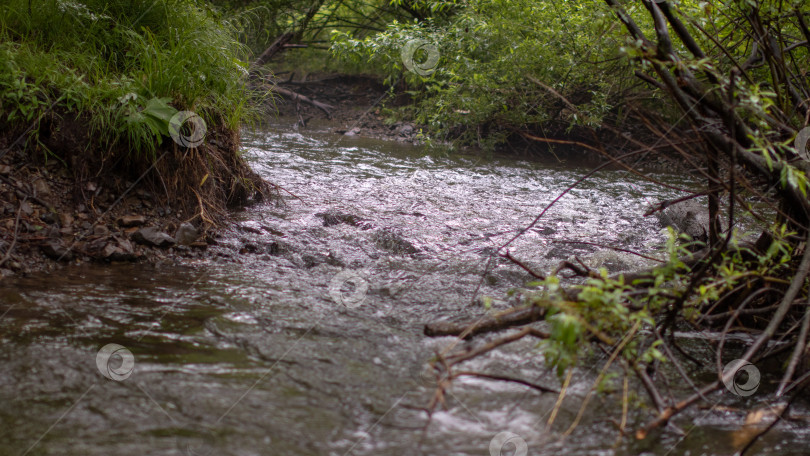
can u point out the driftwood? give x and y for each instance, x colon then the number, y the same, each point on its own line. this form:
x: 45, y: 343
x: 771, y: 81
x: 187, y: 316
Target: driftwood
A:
x: 520, y: 316
x: 302, y: 98
x: 281, y: 43
x: 503, y: 320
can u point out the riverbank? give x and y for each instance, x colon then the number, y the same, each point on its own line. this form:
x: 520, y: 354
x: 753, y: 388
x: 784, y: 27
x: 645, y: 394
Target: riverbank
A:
x: 119, y: 131
x: 362, y: 105
x: 54, y: 214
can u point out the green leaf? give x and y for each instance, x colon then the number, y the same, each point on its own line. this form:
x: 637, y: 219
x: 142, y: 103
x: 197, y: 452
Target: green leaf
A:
x: 158, y: 113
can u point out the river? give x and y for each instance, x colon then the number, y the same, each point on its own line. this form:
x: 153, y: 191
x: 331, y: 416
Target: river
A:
x: 260, y: 351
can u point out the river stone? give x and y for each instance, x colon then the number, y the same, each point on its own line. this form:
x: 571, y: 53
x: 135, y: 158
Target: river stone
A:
x: 689, y: 217
x: 186, y: 234
x: 393, y: 242
x: 56, y: 250
x: 152, y: 237
x: 119, y: 250
x: 336, y: 218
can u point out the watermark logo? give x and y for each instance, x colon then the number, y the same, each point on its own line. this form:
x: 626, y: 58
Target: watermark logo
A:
x: 187, y: 129
x: 801, y: 143
x: 107, y: 361
x: 504, y: 439
x: 203, y: 445
x: 348, y: 288
x: 741, y: 377
x: 429, y: 376
x: 420, y: 56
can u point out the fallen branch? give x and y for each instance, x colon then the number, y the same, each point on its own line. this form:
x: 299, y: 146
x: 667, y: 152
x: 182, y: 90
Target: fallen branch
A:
x: 298, y: 97
x: 505, y: 378
x: 504, y: 320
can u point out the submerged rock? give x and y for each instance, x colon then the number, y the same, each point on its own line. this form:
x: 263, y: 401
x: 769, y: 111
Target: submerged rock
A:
x: 336, y: 218
x: 393, y: 242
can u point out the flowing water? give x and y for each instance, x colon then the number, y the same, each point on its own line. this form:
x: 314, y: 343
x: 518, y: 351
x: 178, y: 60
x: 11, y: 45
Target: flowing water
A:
x: 303, y: 336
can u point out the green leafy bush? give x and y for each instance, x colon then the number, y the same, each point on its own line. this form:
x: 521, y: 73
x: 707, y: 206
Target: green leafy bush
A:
x: 496, y: 55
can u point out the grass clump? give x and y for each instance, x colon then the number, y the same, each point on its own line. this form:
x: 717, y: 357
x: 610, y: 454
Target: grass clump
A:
x: 118, y: 66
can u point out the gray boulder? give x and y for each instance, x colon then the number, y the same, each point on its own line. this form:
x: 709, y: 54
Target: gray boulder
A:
x: 688, y: 217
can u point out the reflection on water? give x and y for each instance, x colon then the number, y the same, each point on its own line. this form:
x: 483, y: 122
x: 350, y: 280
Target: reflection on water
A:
x: 250, y: 354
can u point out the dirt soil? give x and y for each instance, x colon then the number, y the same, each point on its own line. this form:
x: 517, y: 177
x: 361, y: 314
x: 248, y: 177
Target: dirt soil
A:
x: 47, y: 220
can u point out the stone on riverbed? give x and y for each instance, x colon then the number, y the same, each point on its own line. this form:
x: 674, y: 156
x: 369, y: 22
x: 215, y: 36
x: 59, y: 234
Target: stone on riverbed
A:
x: 393, y: 242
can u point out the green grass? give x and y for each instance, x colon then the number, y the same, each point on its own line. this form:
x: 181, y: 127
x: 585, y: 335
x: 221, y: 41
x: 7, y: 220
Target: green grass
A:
x: 117, y: 63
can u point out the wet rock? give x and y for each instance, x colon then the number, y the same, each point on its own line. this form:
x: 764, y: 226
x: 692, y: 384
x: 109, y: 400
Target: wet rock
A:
x: 186, y: 234
x: 128, y: 221
x: 405, y: 130
x: 152, y: 237
x: 689, y: 217
x: 310, y: 261
x: 249, y: 227
x: 393, y: 242
x: 336, y: 218
x: 249, y: 247
x: 274, y: 248
x: 119, y: 250
x: 56, y: 250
